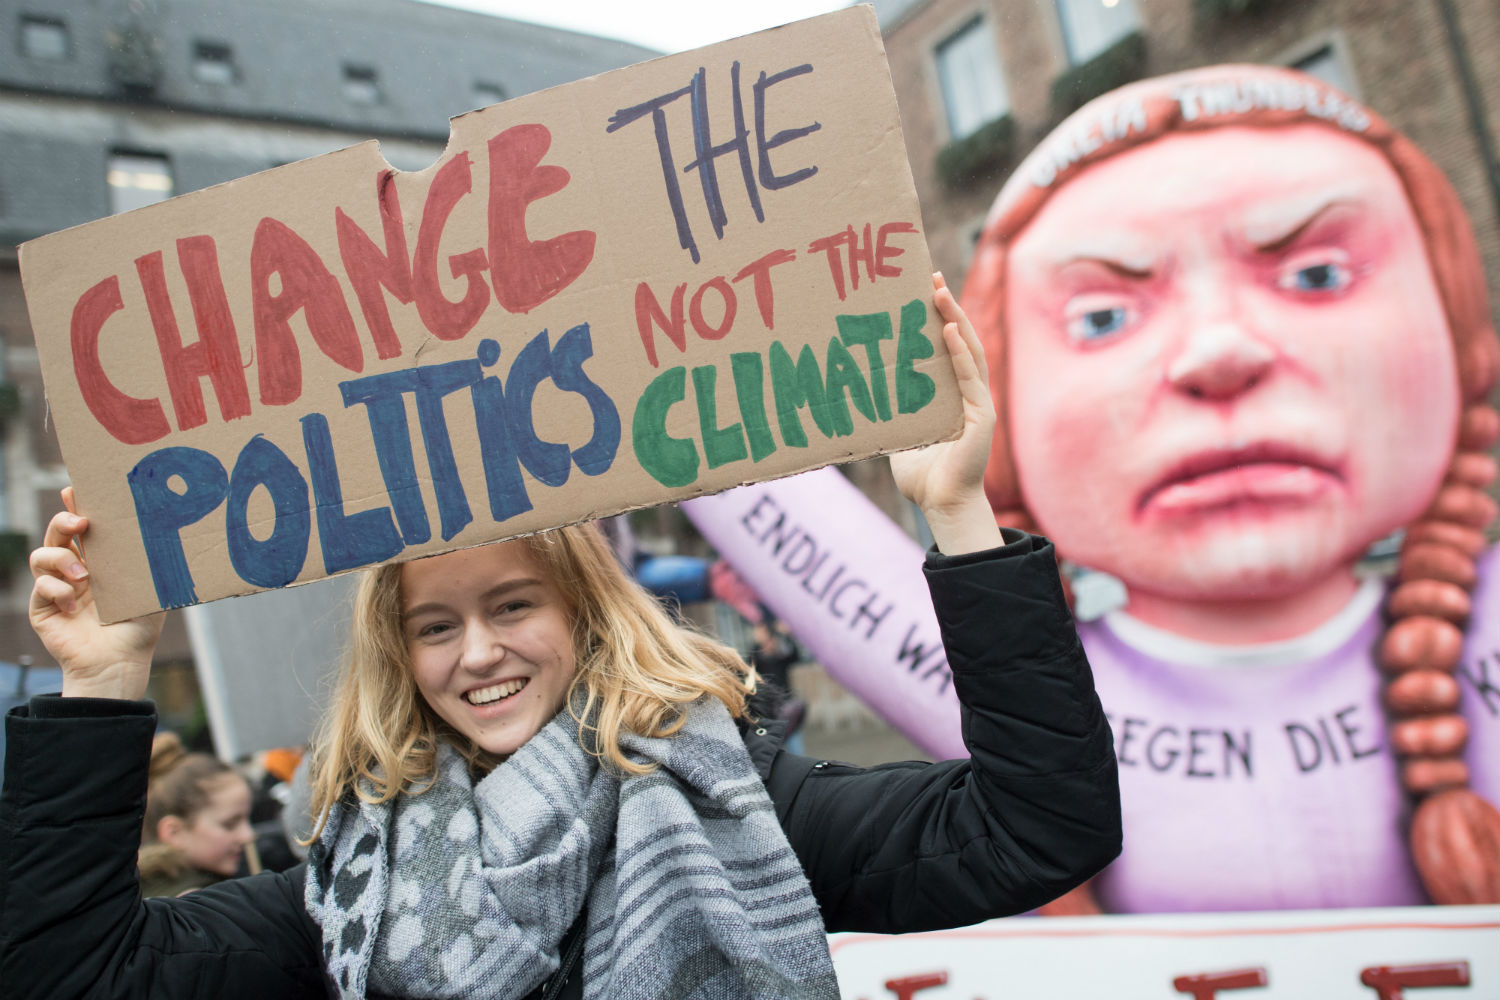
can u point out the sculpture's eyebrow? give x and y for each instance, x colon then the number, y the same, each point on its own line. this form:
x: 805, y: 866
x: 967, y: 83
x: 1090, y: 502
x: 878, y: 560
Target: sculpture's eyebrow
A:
x: 1124, y: 252
x: 1270, y: 236
x: 1125, y: 269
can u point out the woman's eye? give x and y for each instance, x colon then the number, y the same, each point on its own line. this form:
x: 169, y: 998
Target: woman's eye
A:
x: 510, y: 607
x: 433, y: 630
x: 1091, y: 324
x: 1318, y: 276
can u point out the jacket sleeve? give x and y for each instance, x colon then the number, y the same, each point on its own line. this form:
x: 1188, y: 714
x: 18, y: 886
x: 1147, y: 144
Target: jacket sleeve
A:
x: 1033, y: 813
x: 72, y: 923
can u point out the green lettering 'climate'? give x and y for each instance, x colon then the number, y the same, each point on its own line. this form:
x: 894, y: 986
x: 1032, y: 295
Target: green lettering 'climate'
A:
x: 825, y: 393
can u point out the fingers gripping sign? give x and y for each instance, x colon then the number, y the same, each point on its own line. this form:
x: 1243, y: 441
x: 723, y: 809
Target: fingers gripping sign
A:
x: 946, y: 480
x: 98, y: 660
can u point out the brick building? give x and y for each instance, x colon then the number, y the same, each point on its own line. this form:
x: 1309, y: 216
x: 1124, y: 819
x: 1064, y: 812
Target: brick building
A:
x: 107, y: 105
x: 982, y: 81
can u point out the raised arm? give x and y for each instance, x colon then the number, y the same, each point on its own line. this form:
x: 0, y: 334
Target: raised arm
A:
x: 1036, y: 809
x: 1034, y: 812
x: 72, y: 922
x: 98, y: 660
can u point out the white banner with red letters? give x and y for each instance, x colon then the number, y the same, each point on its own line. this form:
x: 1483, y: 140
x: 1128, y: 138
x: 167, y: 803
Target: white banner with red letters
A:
x: 1441, y: 952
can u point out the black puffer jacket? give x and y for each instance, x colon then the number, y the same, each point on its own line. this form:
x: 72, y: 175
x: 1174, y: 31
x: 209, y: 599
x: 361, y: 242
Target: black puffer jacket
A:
x: 900, y: 847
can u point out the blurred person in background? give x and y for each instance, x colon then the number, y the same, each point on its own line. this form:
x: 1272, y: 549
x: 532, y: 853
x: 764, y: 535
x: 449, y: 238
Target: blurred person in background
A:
x: 197, y: 821
x: 772, y: 654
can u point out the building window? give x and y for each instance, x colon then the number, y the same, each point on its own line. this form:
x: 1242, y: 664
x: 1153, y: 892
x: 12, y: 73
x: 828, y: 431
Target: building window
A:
x: 137, y: 180
x: 361, y: 84
x: 1091, y: 26
x: 486, y: 93
x: 1325, y: 64
x: 213, y: 62
x: 969, y: 72
x: 43, y: 37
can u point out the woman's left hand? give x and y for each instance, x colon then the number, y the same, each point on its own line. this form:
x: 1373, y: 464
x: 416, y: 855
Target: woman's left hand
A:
x: 946, y: 480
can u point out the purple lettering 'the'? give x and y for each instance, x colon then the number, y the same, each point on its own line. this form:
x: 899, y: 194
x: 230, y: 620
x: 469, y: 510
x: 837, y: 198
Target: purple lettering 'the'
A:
x: 755, y: 171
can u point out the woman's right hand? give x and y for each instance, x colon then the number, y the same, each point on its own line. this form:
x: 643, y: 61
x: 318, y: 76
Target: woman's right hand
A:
x: 98, y: 660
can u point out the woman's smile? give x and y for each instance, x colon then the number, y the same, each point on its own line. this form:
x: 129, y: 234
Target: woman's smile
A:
x: 493, y: 693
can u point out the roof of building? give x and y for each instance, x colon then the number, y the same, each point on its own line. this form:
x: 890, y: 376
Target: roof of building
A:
x: 219, y: 89
x: 380, y: 67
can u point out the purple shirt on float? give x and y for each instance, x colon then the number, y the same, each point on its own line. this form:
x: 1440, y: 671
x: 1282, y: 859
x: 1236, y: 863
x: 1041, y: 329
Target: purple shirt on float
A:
x: 1259, y: 777
x: 1252, y: 777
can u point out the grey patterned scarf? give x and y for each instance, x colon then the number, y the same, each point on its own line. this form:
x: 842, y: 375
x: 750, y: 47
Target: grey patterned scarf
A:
x: 466, y: 890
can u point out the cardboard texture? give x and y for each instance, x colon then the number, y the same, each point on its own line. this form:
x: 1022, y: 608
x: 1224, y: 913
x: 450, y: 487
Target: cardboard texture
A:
x: 664, y: 281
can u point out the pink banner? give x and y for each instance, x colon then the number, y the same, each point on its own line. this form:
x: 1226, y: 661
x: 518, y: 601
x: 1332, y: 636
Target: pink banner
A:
x: 848, y: 583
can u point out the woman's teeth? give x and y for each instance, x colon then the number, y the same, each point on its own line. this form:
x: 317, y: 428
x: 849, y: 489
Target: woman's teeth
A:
x: 483, y: 696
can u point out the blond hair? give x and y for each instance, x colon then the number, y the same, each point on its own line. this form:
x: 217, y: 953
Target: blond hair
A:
x: 637, y: 667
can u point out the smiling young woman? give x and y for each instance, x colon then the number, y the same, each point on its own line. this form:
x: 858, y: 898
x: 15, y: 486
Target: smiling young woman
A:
x: 554, y: 611
x: 533, y: 782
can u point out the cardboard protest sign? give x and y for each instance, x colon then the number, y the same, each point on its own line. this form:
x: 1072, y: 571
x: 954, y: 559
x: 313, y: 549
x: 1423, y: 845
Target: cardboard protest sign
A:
x: 660, y: 282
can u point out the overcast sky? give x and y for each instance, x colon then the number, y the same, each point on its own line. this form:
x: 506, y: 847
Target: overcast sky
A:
x: 665, y: 25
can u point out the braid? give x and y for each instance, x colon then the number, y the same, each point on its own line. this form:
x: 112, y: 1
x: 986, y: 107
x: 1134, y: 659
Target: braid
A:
x: 1455, y: 833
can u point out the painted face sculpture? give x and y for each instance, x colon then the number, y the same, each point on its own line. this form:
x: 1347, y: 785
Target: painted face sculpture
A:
x: 1239, y: 332
x: 1233, y: 358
